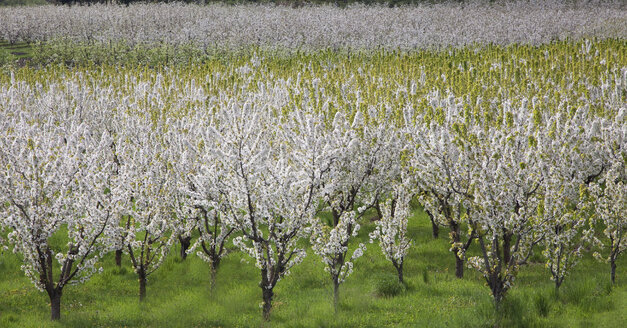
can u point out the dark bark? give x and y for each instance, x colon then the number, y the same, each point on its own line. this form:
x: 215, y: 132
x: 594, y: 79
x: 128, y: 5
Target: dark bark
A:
x: 267, y: 302
x: 613, y: 266
x: 456, y: 237
x: 507, y: 244
x: 142, y: 287
x: 493, y: 272
x: 399, y: 270
x: 497, y: 288
x: 55, y: 304
x: 338, y: 262
x: 118, y: 257
x: 377, y: 207
x: 185, y: 243
x: 336, y: 293
x: 215, y: 249
x: 267, y: 294
x: 435, y: 228
x: 214, y: 272
x: 459, y: 266
x: 46, y: 278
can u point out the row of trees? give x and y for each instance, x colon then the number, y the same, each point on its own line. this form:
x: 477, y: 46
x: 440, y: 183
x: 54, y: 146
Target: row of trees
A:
x: 215, y: 29
x: 114, y: 175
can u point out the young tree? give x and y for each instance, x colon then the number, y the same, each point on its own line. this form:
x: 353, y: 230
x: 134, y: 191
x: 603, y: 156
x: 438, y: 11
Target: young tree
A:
x: 563, y: 231
x: 145, y: 187
x: 358, y: 176
x: 391, y: 228
x: 610, y: 191
x: 611, y: 209
x: 214, y: 233
x: 118, y: 237
x: 199, y: 208
x: 503, y: 205
x: 569, y: 163
x: 268, y: 172
x: 442, y: 174
x: 55, y: 175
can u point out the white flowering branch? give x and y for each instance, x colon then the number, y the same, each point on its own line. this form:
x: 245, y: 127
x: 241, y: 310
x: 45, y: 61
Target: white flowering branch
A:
x: 55, y: 171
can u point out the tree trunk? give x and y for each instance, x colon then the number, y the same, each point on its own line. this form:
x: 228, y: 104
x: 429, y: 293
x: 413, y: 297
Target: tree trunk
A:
x: 336, y: 293
x: 142, y: 287
x: 456, y: 236
x: 558, y: 283
x: 496, y: 286
x: 435, y: 229
x: 185, y: 243
x: 55, y: 305
x: 399, y: 269
x: 267, y: 302
x: 118, y: 257
x: 377, y: 207
x: 214, y: 272
x: 613, y: 266
x: 459, y: 266
x: 507, y: 244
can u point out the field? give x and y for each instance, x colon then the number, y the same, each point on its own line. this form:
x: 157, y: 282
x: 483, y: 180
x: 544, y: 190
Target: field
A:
x: 321, y: 150
x: 179, y: 295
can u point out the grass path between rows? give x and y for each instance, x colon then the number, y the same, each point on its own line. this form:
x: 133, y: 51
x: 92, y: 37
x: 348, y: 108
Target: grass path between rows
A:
x: 179, y: 294
x: 15, y: 53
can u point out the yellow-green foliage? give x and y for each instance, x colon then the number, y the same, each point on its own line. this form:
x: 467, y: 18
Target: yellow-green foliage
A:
x: 561, y: 76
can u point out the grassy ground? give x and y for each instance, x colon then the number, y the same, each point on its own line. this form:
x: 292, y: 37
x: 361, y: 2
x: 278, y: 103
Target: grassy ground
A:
x: 179, y: 294
x: 16, y: 53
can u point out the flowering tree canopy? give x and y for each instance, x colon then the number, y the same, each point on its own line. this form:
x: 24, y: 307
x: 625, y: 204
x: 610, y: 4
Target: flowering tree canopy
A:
x: 54, y: 179
x: 145, y: 187
x: 268, y: 173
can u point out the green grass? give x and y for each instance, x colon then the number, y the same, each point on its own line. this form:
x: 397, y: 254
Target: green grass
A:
x: 179, y: 294
x: 16, y: 53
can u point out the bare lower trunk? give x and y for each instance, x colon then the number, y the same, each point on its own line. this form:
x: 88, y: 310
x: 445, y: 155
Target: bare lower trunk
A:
x: 267, y: 293
x: 459, y: 266
x: 435, y: 228
x: 118, y: 257
x: 267, y: 302
x: 456, y: 237
x: 55, y: 305
x: 497, y: 288
x: 338, y: 262
x: 185, y: 243
x: 142, y: 287
x: 336, y: 293
x: 613, y: 266
x: 214, y: 272
x: 507, y: 243
x: 399, y: 269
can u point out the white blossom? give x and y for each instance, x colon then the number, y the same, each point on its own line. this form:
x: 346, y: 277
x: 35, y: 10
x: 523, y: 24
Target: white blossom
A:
x: 55, y: 178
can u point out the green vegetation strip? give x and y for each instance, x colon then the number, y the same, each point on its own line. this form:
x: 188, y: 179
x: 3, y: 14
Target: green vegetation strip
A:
x: 179, y: 294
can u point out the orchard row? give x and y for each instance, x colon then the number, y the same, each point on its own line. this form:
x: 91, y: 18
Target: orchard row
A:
x: 132, y: 161
x: 425, y: 26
